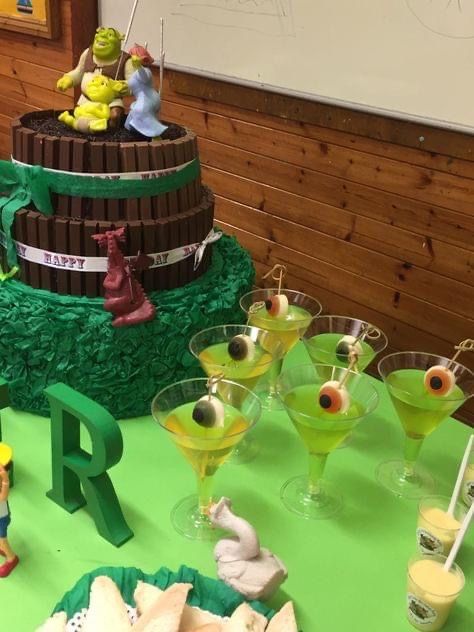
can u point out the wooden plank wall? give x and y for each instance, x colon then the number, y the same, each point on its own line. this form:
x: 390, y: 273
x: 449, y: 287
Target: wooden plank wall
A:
x: 30, y: 67
x: 374, y: 229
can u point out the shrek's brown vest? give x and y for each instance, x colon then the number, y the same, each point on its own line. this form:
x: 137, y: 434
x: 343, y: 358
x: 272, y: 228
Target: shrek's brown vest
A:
x: 109, y: 70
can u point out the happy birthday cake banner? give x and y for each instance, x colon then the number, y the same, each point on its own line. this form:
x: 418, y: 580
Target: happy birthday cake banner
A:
x: 79, y: 263
x: 126, y: 175
x: 33, y: 184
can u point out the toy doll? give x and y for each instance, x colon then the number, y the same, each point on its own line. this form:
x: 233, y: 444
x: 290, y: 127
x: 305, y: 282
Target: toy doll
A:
x: 5, y: 550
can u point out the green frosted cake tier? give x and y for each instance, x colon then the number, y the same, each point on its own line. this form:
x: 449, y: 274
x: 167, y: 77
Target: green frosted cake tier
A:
x: 47, y: 338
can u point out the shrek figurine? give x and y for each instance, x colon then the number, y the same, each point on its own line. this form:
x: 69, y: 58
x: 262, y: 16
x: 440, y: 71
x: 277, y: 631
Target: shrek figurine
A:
x: 104, y: 57
x: 93, y: 115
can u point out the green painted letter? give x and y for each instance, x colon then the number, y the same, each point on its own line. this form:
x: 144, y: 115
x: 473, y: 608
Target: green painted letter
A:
x: 73, y: 467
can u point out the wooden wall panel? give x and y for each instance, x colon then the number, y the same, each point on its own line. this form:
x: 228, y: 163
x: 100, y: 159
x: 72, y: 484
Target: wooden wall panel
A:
x: 374, y: 228
x: 30, y: 67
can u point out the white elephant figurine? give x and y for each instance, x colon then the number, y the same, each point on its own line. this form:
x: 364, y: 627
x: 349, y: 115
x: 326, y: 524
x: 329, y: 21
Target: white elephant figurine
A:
x: 241, y: 563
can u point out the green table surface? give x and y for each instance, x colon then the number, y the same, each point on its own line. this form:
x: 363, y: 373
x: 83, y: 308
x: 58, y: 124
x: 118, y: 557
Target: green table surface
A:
x: 346, y: 573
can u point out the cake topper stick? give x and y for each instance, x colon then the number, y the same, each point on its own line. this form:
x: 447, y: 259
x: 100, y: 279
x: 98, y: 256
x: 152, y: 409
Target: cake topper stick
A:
x: 127, y: 33
x: 462, y: 469
x: 278, y: 272
x: 162, y: 54
x: 465, y: 345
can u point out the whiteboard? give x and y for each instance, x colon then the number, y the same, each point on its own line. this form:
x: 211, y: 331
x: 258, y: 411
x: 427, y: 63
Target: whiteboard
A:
x: 412, y: 59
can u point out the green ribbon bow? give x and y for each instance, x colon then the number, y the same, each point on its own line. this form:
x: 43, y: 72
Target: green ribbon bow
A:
x: 23, y: 187
x: 26, y: 184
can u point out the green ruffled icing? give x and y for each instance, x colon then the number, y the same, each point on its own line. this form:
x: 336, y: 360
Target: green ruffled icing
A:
x: 47, y: 338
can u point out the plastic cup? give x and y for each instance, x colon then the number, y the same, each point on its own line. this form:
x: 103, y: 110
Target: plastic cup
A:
x: 432, y: 591
x: 467, y: 489
x: 436, y: 530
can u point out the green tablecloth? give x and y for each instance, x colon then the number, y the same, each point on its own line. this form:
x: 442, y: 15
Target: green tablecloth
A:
x: 347, y: 573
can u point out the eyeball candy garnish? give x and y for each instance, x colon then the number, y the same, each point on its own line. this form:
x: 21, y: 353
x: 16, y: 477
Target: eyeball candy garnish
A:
x: 439, y: 380
x: 334, y: 398
x: 241, y: 347
x: 277, y: 305
x: 209, y: 412
x: 346, y: 346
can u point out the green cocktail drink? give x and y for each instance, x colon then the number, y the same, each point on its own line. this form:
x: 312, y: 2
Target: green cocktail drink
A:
x: 322, y: 432
x: 205, y: 423
x: 419, y: 411
x: 287, y: 330
x: 205, y: 449
x: 284, y: 328
x: 329, y: 339
x: 243, y: 354
x: 322, y: 349
x: 216, y: 358
x: 332, y: 340
x: 301, y: 389
x: 422, y: 405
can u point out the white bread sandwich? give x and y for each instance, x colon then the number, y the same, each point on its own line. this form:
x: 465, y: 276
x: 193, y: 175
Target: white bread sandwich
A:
x: 284, y: 621
x: 107, y: 610
x: 166, y: 612
x: 56, y: 623
x: 246, y: 619
x: 146, y: 594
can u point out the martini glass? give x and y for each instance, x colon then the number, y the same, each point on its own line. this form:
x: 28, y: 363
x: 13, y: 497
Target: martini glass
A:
x: 286, y: 330
x: 205, y: 448
x: 212, y: 348
x: 325, y: 345
x: 310, y: 496
x: 420, y: 413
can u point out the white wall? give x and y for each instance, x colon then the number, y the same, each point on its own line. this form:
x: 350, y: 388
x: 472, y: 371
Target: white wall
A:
x: 414, y: 57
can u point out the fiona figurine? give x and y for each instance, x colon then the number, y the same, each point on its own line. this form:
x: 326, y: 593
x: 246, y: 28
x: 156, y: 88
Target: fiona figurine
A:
x: 11, y: 560
x: 142, y: 117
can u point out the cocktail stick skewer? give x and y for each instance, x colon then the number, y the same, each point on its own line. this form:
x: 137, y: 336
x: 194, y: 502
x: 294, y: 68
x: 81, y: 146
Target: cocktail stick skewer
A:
x: 440, y: 380
x: 253, y: 309
x: 212, y: 382
x: 352, y: 363
x: 278, y: 272
x: 465, y: 345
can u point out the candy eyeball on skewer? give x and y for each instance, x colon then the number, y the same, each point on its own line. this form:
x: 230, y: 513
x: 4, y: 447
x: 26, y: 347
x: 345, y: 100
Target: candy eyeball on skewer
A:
x: 334, y: 398
x: 241, y: 347
x: 277, y: 305
x: 209, y: 412
x: 439, y: 380
x: 346, y: 346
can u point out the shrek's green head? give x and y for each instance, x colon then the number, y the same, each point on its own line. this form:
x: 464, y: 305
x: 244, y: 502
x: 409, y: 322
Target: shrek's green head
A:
x: 103, y: 89
x: 107, y: 43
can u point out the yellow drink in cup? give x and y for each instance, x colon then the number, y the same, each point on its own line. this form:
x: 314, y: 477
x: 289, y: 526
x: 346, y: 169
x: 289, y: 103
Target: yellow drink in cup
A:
x: 432, y: 591
x: 437, y: 530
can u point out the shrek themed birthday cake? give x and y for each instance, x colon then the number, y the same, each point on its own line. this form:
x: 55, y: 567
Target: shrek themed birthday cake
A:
x: 110, y: 261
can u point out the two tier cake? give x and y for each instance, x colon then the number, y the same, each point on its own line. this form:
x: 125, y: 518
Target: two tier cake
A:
x: 62, y: 188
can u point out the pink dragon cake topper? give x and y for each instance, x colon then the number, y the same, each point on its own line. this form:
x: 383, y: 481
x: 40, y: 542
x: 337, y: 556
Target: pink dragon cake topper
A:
x: 124, y: 296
